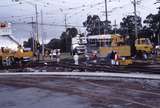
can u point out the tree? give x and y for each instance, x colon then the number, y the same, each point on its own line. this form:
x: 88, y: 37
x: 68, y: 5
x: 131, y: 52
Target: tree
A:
x: 72, y: 32
x: 127, y: 26
x: 152, y: 23
x: 54, y: 44
x: 95, y: 26
x: 63, y: 42
x: 146, y: 32
x: 66, y: 38
x: 29, y: 43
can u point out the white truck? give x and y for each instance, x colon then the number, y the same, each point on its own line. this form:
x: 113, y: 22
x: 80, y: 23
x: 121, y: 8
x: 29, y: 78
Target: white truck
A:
x: 78, y: 44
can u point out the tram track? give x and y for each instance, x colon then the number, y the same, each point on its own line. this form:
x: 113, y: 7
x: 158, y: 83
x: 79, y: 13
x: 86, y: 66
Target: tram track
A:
x: 91, y: 67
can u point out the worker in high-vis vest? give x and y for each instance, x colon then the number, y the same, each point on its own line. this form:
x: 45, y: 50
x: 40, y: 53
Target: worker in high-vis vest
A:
x: 116, y: 57
x: 94, y: 57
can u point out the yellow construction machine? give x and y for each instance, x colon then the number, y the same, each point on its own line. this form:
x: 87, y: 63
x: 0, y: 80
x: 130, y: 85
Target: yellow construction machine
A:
x: 9, y: 56
x: 105, y: 44
x: 143, y: 45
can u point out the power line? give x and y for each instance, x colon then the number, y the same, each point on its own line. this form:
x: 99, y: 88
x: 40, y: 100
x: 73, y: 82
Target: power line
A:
x: 9, y: 5
x: 18, y: 16
x: 54, y: 25
x: 143, y: 7
x: 82, y: 6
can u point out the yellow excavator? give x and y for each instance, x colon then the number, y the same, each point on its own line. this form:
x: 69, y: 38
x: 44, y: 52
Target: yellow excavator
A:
x: 9, y: 56
x: 143, y: 45
x: 144, y: 48
x: 117, y: 43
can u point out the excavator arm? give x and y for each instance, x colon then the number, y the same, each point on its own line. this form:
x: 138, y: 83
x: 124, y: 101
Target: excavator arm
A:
x: 12, y: 39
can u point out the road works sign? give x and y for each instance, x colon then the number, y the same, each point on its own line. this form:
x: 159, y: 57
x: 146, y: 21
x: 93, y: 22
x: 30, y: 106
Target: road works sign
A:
x: 5, y: 29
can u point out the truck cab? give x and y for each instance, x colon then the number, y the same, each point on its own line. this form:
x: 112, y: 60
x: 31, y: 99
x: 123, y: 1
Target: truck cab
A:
x: 143, y: 45
x: 78, y: 44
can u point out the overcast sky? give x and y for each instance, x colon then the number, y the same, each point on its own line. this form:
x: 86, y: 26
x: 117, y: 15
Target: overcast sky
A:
x: 76, y: 11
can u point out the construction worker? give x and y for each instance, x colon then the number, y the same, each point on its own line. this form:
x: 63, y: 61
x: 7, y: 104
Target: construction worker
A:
x: 51, y: 55
x: 145, y: 56
x: 112, y: 57
x: 54, y: 55
x: 94, y: 57
x: 76, y: 59
x: 58, y: 55
x: 87, y: 58
x: 116, y: 57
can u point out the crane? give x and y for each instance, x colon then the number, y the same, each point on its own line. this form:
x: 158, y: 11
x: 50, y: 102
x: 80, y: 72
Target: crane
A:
x: 8, y: 54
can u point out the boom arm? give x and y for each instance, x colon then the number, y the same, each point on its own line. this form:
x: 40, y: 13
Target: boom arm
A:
x: 12, y: 39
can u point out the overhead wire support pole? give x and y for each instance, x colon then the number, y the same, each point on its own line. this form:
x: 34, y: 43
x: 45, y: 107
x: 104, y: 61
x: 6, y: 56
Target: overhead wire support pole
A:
x: 37, y: 34
x: 135, y: 18
x: 42, y: 33
x: 36, y: 15
x: 106, y: 11
x: 115, y: 27
x: 65, y: 21
x: 37, y: 28
x: 33, y: 38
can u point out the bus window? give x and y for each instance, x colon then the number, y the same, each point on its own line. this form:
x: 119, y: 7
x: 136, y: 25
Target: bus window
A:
x: 147, y: 41
x: 92, y: 42
x: 108, y: 42
x: 143, y: 41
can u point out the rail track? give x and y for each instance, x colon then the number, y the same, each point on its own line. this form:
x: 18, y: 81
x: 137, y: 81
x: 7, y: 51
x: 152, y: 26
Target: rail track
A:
x: 92, y: 67
x: 99, y: 94
x: 112, y: 69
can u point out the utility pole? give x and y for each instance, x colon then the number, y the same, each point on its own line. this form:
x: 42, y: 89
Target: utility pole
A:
x: 99, y: 27
x: 37, y: 34
x: 135, y: 18
x: 42, y: 34
x: 106, y: 10
x: 37, y: 28
x: 65, y: 21
x: 33, y: 38
x: 159, y: 26
x: 115, y: 27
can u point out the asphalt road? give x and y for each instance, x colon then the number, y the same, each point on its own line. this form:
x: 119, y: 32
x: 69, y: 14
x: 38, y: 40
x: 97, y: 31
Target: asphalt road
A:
x: 54, y: 92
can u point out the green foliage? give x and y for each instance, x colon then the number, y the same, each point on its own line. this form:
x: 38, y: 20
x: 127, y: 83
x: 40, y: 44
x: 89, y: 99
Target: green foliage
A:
x: 66, y: 38
x: 29, y: 43
x: 54, y: 44
x: 127, y: 26
x: 152, y: 24
x: 95, y: 26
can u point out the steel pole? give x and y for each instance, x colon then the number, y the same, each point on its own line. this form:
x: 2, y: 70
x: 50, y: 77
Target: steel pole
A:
x: 106, y: 10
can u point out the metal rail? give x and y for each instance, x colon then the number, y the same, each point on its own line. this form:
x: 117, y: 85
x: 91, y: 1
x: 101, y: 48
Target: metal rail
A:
x: 92, y: 67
